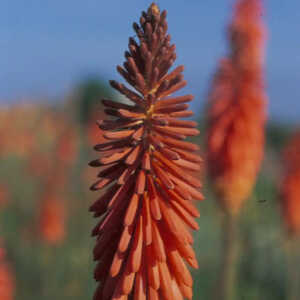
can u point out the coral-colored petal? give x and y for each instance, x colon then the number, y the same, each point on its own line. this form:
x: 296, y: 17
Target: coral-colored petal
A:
x: 136, y: 251
x: 158, y: 244
x: 131, y: 210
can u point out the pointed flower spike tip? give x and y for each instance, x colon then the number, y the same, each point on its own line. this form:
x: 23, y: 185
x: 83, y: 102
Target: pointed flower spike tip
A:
x: 154, y: 9
x: 146, y: 206
x: 236, y: 110
x: 290, y: 186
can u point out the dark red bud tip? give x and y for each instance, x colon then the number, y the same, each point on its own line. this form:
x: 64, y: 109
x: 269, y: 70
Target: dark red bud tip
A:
x: 95, y: 163
x: 94, y: 187
x: 113, y: 83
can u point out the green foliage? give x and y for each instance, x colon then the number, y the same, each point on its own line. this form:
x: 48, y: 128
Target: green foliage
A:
x: 87, y: 96
x: 277, y: 135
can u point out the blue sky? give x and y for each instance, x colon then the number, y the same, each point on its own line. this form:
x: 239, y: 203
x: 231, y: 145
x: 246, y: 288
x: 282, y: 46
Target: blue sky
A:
x: 47, y: 46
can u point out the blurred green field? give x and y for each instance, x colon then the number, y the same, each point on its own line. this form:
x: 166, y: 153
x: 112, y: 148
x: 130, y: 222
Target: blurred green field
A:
x: 65, y: 270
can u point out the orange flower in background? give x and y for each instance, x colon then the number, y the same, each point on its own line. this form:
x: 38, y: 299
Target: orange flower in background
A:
x: 7, y: 280
x: 236, y: 115
x: 143, y: 237
x: 39, y: 164
x: 52, y: 219
x: 12, y: 128
x: 67, y: 147
x: 4, y: 195
x: 290, y: 188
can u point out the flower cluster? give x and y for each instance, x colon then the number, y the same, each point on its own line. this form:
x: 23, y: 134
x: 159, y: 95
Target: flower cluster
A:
x: 291, y: 185
x: 143, y: 236
x: 52, y: 218
x: 236, y: 113
x: 7, y: 280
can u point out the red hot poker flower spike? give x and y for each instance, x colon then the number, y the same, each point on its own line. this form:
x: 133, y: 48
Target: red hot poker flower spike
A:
x: 236, y: 119
x: 52, y: 219
x: 4, y: 195
x: 290, y: 189
x: 7, y: 279
x: 143, y: 237
x: 237, y: 110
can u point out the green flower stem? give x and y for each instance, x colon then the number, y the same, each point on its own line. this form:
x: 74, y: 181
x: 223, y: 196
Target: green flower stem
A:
x: 293, y: 268
x: 225, y: 288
